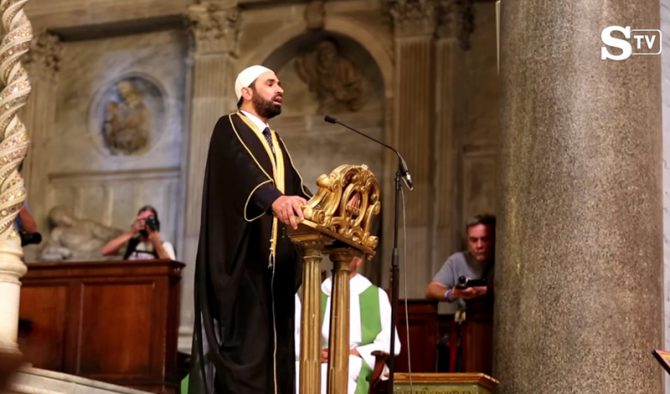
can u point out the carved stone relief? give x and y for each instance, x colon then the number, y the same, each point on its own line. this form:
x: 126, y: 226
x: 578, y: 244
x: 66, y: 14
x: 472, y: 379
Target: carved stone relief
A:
x: 411, y: 17
x: 131, y: 112
x: 444, y: 18
x: 73, y: 238
x: 214, y: 28
x: 455, y: 18
x: 336, y: 81
x: 45, y: 53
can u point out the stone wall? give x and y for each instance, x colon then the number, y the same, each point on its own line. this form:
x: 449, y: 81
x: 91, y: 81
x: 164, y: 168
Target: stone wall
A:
x: 421, y: 91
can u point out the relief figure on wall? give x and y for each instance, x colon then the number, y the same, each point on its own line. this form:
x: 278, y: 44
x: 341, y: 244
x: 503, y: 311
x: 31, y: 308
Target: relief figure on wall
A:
x: 73, y: 238
x: 127, y: 121
x: 336, y: 80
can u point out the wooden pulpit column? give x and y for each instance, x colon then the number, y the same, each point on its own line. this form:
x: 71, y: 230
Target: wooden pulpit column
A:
x: 337, y: 222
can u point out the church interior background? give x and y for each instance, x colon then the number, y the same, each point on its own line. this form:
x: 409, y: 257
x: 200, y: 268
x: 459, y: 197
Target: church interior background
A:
x: 126, y: 93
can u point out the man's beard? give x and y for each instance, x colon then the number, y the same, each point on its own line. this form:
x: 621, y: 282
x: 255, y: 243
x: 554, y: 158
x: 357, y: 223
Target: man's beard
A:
x: 265, y: 108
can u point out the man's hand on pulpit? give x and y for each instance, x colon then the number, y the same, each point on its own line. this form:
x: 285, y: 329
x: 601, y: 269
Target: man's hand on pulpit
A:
x: 288, y: 209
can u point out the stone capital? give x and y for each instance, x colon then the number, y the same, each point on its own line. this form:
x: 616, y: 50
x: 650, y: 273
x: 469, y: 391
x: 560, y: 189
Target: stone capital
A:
x: 455, y: 19
x: 214, y: 26
x: 45, y: 54
x: 411, y: 17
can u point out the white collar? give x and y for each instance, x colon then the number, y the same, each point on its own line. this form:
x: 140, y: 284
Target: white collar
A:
x: 256, y: 121
x: 357, y: 285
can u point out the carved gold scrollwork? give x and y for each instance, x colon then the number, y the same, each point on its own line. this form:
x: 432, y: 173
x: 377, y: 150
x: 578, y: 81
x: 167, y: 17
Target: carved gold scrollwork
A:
x: 334, y: 210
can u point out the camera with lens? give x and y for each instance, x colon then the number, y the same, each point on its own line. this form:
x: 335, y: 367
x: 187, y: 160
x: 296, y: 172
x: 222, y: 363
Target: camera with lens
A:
x: 464, y: 282
x: 151, y: 223
x: 30, y: 238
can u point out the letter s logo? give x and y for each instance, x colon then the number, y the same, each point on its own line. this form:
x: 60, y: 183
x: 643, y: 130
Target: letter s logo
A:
x: 609, y: 40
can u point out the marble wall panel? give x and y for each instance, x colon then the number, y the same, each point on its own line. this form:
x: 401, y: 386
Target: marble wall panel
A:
x: 479, y: 186
x: 82, y: 172
x: 114, y: 198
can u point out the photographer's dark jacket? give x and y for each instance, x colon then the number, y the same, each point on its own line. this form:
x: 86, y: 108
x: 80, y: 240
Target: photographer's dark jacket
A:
x: 247, y: 270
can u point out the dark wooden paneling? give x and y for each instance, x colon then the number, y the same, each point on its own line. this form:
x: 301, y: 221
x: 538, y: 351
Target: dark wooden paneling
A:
x: 114, y: 321
x: 121, y: 312
x: 45, y: 308
x: 423, y: 334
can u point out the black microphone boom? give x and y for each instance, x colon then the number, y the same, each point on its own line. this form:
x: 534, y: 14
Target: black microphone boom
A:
x: 406, y: 177
x: 401, y: 174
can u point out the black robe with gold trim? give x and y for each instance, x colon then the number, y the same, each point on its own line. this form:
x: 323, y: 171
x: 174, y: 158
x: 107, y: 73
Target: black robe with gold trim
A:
x: 239, y: 285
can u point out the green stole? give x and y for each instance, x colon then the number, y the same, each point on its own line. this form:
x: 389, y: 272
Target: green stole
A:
x: 371, y: 326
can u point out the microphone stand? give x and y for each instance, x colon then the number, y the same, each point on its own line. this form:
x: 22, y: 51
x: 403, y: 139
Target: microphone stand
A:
x: 401, y: 175
x: 394, y: 277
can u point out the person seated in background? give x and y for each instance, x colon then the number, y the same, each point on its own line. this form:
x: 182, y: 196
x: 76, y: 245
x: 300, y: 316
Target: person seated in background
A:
x: 466, y: 278
x: 143, y: 239
x: 369, y: 329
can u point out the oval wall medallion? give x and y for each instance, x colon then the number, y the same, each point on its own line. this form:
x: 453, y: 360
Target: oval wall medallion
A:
x: 128, y: 116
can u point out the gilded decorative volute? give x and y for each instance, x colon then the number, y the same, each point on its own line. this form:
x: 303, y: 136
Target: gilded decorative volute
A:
x: 333, y: 212
x: 337, y: 222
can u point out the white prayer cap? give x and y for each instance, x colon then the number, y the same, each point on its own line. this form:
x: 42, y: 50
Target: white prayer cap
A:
x: 247, y: 76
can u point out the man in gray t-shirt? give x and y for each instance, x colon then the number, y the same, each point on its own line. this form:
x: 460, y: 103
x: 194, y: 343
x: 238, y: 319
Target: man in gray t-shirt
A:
x: 459, y: 264
x: 476, y: 263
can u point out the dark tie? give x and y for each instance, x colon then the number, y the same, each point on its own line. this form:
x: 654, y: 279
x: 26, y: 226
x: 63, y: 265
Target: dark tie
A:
x: 268, y: 138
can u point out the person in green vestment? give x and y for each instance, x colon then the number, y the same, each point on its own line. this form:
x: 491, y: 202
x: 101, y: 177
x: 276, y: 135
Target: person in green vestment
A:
x: 369, y: 328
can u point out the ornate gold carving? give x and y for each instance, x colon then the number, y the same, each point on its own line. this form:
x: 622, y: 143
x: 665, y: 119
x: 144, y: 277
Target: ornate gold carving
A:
x: 455, y: 18
x: 411, y: 17
x: 337, y: 221
x: 331, y: 212
x: 214, y: 27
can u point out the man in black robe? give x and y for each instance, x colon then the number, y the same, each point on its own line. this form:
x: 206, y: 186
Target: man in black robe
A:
x: 247, y: 269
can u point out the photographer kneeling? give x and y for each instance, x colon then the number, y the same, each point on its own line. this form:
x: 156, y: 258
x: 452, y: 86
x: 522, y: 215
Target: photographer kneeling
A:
x: 143, y: 240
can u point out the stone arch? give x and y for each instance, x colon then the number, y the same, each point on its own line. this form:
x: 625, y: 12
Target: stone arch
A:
x: 375, y: 46
x: 317, y: 147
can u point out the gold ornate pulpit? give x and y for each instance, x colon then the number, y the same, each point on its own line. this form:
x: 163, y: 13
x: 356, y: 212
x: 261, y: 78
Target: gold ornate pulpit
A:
x: 337, y: 223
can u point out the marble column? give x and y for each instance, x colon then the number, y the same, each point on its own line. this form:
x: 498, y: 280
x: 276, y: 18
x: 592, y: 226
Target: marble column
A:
x: 579, y: 264
x: 414, y: 25
x: 39, y: 116
x: 214, y: 30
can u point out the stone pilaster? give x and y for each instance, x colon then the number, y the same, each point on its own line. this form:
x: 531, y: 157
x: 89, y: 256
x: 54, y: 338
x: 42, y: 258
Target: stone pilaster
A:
x: 214, y: 27
x: 39, y: 115
x: 579, y: 264
x: 413, y: 26
x: 454, y: 25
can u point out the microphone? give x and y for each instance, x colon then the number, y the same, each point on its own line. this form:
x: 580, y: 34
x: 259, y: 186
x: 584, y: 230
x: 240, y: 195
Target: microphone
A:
x: 404, y: 171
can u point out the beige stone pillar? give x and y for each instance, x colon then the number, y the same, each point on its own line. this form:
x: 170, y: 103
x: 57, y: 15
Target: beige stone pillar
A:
x: 454, y: 24
x: 214, y: 30
x: 579, y: 264
x: 414, y: 24
x: 39, y: 116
